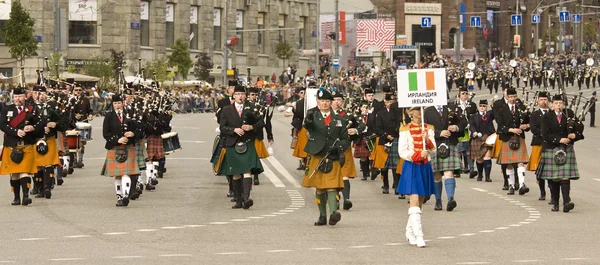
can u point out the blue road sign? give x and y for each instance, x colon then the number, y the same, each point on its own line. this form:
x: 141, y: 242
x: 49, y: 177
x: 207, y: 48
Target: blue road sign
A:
x: 576, y: 18
x: 535, y: 18
x: 426, y: 22
x: 516, y: 20
x: 476, y: 21
x: 463, y: 23
x: 564, y: 16
x: 336, y: 61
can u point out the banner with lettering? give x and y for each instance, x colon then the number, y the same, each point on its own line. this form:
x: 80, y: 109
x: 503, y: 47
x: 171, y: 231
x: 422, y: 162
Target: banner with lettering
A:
x: 5, y: 9
x: 83, y: 10
x: 422, y: 87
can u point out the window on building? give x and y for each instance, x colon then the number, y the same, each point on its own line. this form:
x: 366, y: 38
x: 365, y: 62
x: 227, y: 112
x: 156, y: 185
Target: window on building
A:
x: 261, y: 34
x: 282, y: 25
x: 8, y: 72
x: 170, y: 27
x: 239, y: 25
x: 83, y: 23
x: 302, y: 32
x: 217, y: 29
x: 145, y: 24
x: 2, y: 28
x: 194, y: 37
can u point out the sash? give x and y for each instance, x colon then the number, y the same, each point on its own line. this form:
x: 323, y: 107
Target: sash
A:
x: 19, y: 118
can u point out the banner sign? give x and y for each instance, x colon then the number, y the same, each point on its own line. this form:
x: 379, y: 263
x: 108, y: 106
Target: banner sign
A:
x: 422, y: 87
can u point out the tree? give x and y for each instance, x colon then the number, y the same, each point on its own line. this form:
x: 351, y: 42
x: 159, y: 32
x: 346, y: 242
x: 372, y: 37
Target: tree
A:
x: 202, y: 66
x: 284, y: 51
x: 18, y: 33
x: 99, y: 68
x: 54, y: 62
x: 589, y: 32
x: 117, y: 61
x: 180, y: 57
x: 158, y: 67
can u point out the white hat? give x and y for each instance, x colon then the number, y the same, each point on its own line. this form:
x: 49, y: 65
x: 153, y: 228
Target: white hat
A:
x: 93, y: 89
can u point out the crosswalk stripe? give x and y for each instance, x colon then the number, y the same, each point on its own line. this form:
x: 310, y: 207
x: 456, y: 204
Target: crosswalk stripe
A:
x: 283, y: 171
x: 271, y: 176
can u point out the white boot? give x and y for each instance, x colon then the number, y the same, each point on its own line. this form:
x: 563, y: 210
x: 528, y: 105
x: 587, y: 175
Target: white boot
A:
x: 415, y: 219
x: 410, y: 236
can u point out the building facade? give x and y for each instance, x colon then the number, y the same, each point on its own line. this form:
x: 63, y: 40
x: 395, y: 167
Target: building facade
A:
x: 147, y: 29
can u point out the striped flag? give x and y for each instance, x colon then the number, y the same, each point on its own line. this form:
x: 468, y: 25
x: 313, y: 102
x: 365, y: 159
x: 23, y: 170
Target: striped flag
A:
x: 413, y: 83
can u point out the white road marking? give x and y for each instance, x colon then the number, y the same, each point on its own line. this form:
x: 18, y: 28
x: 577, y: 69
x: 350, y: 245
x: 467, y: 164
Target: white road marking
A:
x: 171, y: 227
x: 239, y: 220
x: 219, y: 223
x: 269, y: 215
x: 445, y: 237
x: 474, y: 262
x: 524, y: 223
x: 34, y: 239
x: 478, y: 189
x: 279, y: 213
x: 486, y: 231
x: 515, y: 225
x: 524, y: 206
x: 492, y: 193
x: 321, y: 248
x: 190, y: 141
x: 7, y: 261
x: 231, y: 253
x: 597, y: 179
x: 520, y: 204
x: 67, y: 259
x: 574, y: 259
x: 271, y: 176
x: 127, y: 257
x: 293, y: 207
x: 527, y: 261
x: 287, y: 211
x: 367, y: 246
x: 255, y: 217
x: 503, y: 197
x: 530, y: 220
x: 393, y: 244
x: 502, y: 228
x: 116, y: 233
x: 534, y: 213
x: 175, y: 255
x: 194, y: 226
x: 283, y: 171
x: 533, y: 210
x: 278, y: 250
x: 77, y: 236
x: 146, y: 230
x: 467, y: 234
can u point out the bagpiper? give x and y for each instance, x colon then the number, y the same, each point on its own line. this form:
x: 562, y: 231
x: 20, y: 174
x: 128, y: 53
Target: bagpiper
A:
x: 481, y: 126
x: 535, y: 121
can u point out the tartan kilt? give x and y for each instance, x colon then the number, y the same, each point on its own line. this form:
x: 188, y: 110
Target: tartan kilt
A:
x: 155, y: 147
x: 534, y: 159
x: 261, y: 149
x: 509, y: 156
x: 547, y: 169
x: 451, y: 162
x: 463, y: 146
x: 379, y: 157
x: 302, y: 140
x: 141, y: 153
x: 112, y: 168
x: 392, y: 160
x: 26, y: 166
x: 360, y: 149
x: 478, y: 147
x: 50, y: 158
x: 63, y: 145
x: 320, y: 180
x: 349, y: 168
x: 237, y: 164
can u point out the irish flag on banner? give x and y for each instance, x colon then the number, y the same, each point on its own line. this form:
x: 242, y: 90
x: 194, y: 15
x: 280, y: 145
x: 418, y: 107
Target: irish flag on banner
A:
x: 422, y: 87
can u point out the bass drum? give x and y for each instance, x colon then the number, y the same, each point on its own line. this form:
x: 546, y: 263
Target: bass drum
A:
x: 491, y: 140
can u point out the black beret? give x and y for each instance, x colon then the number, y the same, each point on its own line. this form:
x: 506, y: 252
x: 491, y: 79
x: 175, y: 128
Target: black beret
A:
x: 239, y: 88
x: 253, y: 90
x: 386, y: 89
x: 462, y: 89
x: 511, y: 91
x: 116, y: 98
x: 389, y: 97
x: 324, y: 94
x: 19, y: 91
x: 557, y: 97
x: 483, y: 102
x: 369, y: 91
x: 543, y: 94
x: 232, y: 83
x: 298, y: 89
x: 337, y: 94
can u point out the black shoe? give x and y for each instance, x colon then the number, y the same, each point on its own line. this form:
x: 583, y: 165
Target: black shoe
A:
x: 300, y: 166
x: 164, y: 169
x: 402, y: 197
x: 374, y: 175
x: 120, y: 203
x: 438, y: 205
x: 451, y: 205
x: 334, y: 218
x: 487, y: 179
x: 542, y: 198
x: 427, y: 198
x: 385, y: 190
x: 150, y: 187
x: 59, y: 182
x: 364, y: 177
x: 524, y: 189
x: 69, y: 172
x: 39, y: 195
x: 568, y: 207
x: 395, y: 192
x: 555, y: 207
x: 456, y: 176
x: 160, y: 174
x: 35, y: 192
x: 230, y: 194
x: 134, y: 196
x: 238, y: 204
x: 466, y: 171
x: 26, y: 201
x: 511, y: 191
x: 125, y: 201
x: 80, y: 164
x: 322, y: 221
x: 16, y: 202
x: 479, y: 178
x: 256, y: 181
x: 347, y: 205
x: 505, y: 187
x: 474, y: 174
x: 248, y: 204
x: 154, y: 182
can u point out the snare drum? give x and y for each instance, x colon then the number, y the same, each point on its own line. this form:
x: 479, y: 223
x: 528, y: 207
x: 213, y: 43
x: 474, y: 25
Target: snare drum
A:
x: 73, y: 140
x: 85, y: 129
x: 171, y: 142
x: 491, y: 140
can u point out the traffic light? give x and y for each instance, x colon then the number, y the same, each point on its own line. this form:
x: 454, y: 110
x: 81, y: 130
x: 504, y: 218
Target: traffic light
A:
x: 331, y: 35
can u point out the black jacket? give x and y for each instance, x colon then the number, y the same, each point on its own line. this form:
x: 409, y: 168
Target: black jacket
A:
x: 113, y: 129
x: 552, y: 131
x: 535, y: 123
x: 33, y: 118
x: 506, y: 120
x: 298, y: 117
x: 82, y: 106
x: 230, y: 119
x: 441, y: 123
x: 388, y: 123
x: 485, y: 127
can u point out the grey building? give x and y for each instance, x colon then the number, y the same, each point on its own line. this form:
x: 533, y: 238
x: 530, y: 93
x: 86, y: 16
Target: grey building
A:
x: 147, y: 29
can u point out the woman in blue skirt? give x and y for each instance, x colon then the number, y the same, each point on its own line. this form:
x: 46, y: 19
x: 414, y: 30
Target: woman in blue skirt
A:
x: 415, y: 146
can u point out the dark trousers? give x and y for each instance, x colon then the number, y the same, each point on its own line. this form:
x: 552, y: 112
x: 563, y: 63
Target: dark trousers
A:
x: 592, y: 119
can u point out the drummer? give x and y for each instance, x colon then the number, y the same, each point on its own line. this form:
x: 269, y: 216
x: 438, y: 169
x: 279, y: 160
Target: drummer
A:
x: 482, y: 126
x: 82, y: 112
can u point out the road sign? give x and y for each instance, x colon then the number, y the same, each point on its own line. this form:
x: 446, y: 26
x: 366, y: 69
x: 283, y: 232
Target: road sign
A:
x: 535, y: 18
x: 336, y: 61
x: 475, y: 21
x: 422, y: 87
x: 576, y: 18
x: 564, y: 16
x: 463, y: 23
x: 516, y: 20
x: 426, y: 22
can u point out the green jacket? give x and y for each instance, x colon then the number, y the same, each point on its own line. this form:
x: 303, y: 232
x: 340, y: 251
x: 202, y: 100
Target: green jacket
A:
x: 321, y: 137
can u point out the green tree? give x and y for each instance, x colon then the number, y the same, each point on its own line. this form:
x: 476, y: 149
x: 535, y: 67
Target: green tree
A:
x: 158, y: 68
x: 284, y: 51
x: 54, y: 62
x: 18, y: 33
x: 117, y: 61
x: 589, y: 32
x: 180, y: 58
x: 202, y: 66
x: 101, y: 69
x: 553, y: 35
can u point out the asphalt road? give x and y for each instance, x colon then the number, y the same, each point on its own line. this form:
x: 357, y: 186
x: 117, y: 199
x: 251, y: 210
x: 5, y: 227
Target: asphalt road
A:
x: 188, y: 219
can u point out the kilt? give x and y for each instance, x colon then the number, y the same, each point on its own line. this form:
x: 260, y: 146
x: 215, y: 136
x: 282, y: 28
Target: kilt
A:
x: 320, y: 180
x: 379, y: 157
x: 451, y: 162
x: 478, y: 147
x: 509, y: 156
x: 302, y: 140
x: 360, y: 149
x: 237, y: 164
x: 534, y: 159
x: 349, y: 168
x: 463, y: 146
x: 112, y: 168
x: 26, y: 166
x: 417, y: 179
x: 497, y: 148
x: 141, y: 154
x: 392, y: 160
x: 547, y: 169
x: 261, y: 149
x: 155, y: 147
x: 50, y: 158
x: 61, y: 142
